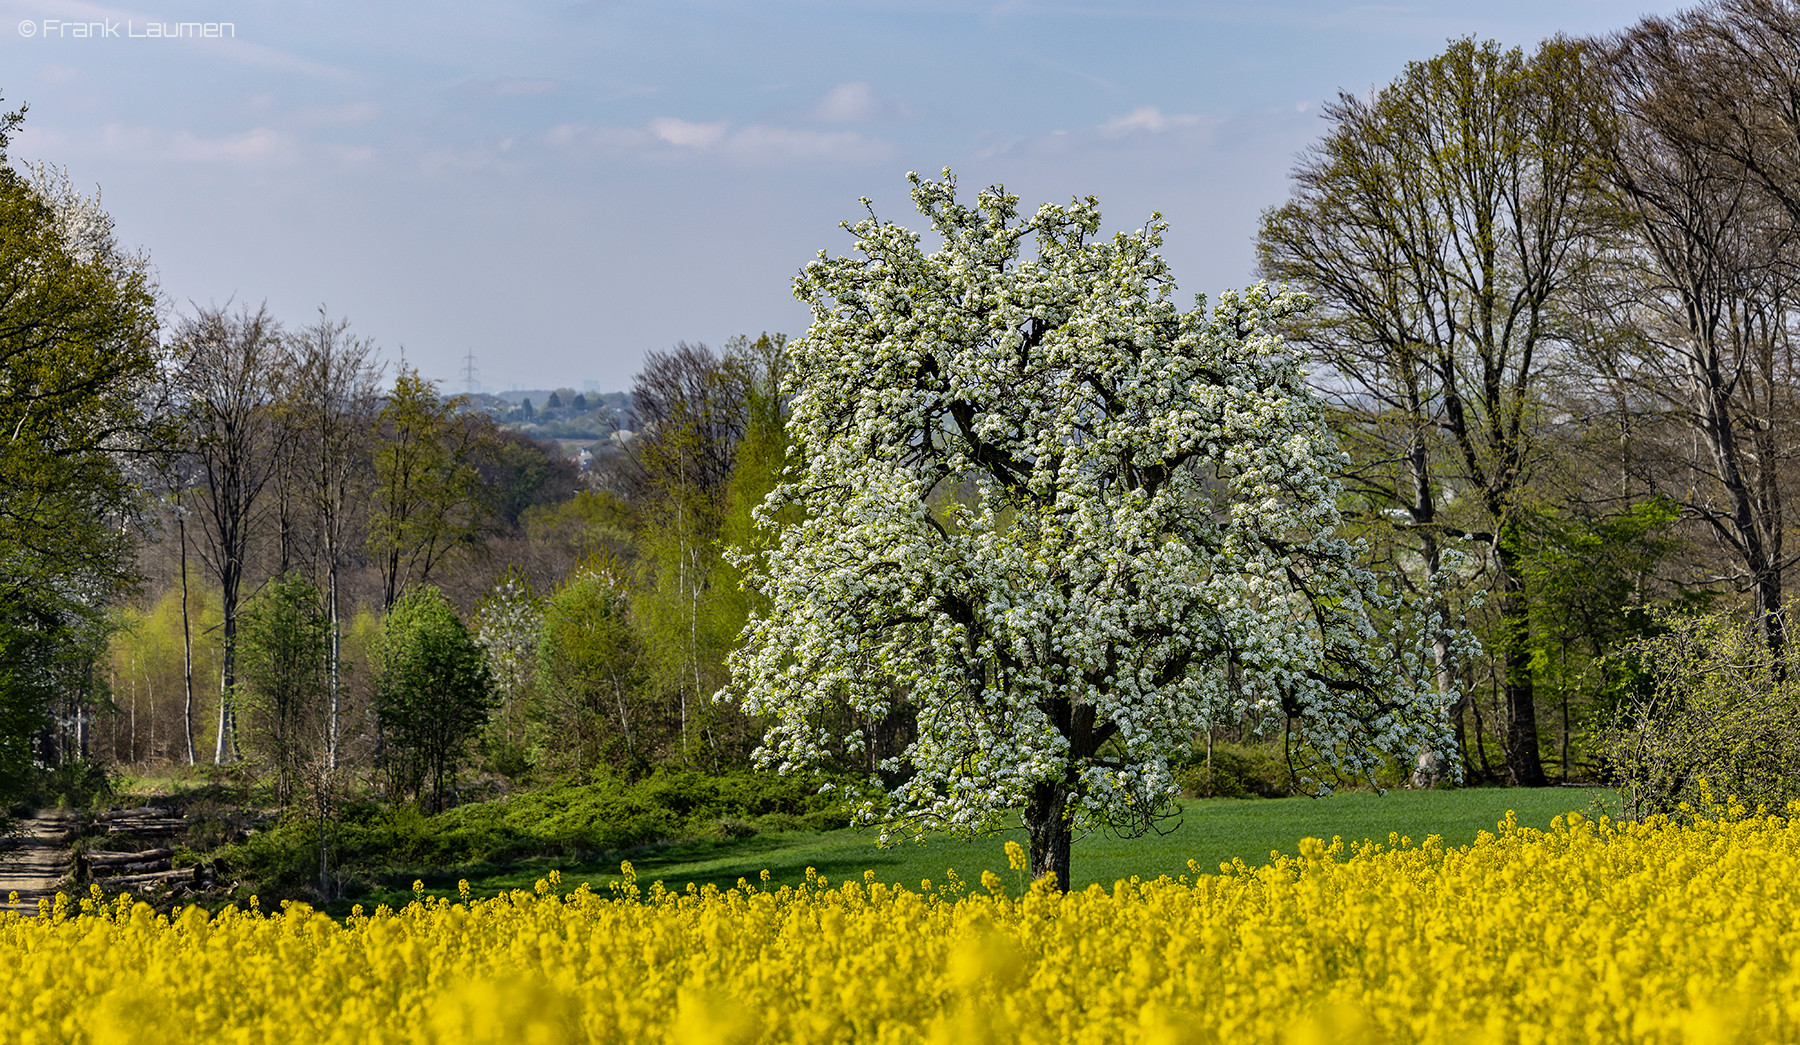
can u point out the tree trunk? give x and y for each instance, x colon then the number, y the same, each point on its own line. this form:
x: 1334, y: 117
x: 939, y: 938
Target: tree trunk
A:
x: 1523, y: 767
x: 325, y: 783
x: 1433, y: 766
x: 187, y: 648
x: 227, y: 676
x: 1487, y: 770
x: 1048, y: 826
x: 331, y: 610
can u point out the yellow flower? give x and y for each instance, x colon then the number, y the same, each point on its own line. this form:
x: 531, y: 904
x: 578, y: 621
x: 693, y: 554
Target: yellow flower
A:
x: 1591, y: 931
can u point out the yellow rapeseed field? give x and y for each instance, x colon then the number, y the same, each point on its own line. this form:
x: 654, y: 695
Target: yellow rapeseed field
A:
x: 1587, y: 932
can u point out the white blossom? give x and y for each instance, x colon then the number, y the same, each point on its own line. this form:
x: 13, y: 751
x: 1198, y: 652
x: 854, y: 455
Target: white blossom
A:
x: 1066, y: 522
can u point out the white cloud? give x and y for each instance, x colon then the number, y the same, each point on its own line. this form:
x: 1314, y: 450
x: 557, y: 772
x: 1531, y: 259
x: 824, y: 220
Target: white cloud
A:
x: 856, y: 102
x: 349, y: 112
x: 54, y: 73
x: 687, y: 135
x: 511, y: 86
x: 1146, y: 119
x: 514, y: 86
x: 603, y: 138
x: 351, y: 156
x: 756, y: 144
x: 761, y: 144
x: 259, y: 146
x: 851, y: 102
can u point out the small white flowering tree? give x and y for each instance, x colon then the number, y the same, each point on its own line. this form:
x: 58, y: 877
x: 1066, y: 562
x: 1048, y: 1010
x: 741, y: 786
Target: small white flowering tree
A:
x: 509, y: 623
x: 1063, y: 522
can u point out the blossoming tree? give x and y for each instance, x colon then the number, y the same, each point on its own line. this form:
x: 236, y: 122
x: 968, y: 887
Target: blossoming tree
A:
x: 1063, y: 524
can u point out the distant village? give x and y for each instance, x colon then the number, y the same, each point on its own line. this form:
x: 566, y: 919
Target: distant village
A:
x: 589, y: 425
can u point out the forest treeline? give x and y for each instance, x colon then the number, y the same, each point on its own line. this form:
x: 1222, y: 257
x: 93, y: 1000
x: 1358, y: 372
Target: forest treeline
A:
x: 337, y: 573
x: 1554, y: 301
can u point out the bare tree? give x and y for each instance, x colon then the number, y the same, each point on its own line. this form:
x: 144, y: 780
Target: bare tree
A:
x: 688, y: 408
x: 333, y: 402
x: 228, y: 374
x: 1702, y: 295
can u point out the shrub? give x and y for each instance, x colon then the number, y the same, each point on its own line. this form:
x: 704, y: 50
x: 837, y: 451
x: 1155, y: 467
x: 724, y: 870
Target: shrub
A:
x: 1714, y: 712
x: 574, y: 821
x: 433, y: 691
x: 1237, y: 771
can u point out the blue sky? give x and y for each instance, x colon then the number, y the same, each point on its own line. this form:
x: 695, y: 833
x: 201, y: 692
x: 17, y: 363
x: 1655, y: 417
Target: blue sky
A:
x: 559, y: 188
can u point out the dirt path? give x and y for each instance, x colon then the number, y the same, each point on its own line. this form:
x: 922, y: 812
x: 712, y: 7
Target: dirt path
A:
x: 34, y: 864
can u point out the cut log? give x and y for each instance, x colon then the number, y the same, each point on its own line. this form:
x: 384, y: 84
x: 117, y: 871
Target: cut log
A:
x: 113, y: 870
x: 103, y: 858
x: 145, y: 828
x: 152, y: 812
x: 195, y: 875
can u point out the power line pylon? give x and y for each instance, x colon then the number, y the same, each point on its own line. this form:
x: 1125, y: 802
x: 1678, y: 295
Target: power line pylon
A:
x: 469, y: 372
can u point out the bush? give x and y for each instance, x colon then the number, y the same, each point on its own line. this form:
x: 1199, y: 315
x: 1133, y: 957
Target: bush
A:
x: 80, y: 786
x: 1237, y: 771
x: 1713, y: 714
x: 574, y: 822
x: 433, y: 691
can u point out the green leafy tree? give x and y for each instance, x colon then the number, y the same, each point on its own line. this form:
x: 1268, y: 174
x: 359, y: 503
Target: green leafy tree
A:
x: 433, y: 693
x: 79, y: 354
x: 590, y: 679
x: 284, y: 678
x: 1595, y: 586
x: 519, y: 473
x: 427, y: 501
x: 47, y: 690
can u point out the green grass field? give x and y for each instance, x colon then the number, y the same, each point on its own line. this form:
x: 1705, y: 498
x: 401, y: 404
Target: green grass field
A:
x: 1210, y: 832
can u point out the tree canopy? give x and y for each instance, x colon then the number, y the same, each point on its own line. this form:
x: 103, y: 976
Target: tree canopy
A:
x: 78, y: 355
x: 78, y: 358
x: 1063, y: 522
x: 1438, y: 225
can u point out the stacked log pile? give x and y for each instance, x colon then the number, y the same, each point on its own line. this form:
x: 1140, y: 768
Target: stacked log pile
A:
x: 139, y: 867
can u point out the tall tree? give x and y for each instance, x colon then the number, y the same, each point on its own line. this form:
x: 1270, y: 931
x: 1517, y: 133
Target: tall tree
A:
x: 1441, y: 225
x: 79, y: 352
x: 226, y: 384
x: 1702, y: 297
x: 428, y: 500
x: 333, y: 403
x: 691, y: 408
x: 1146, y: 545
